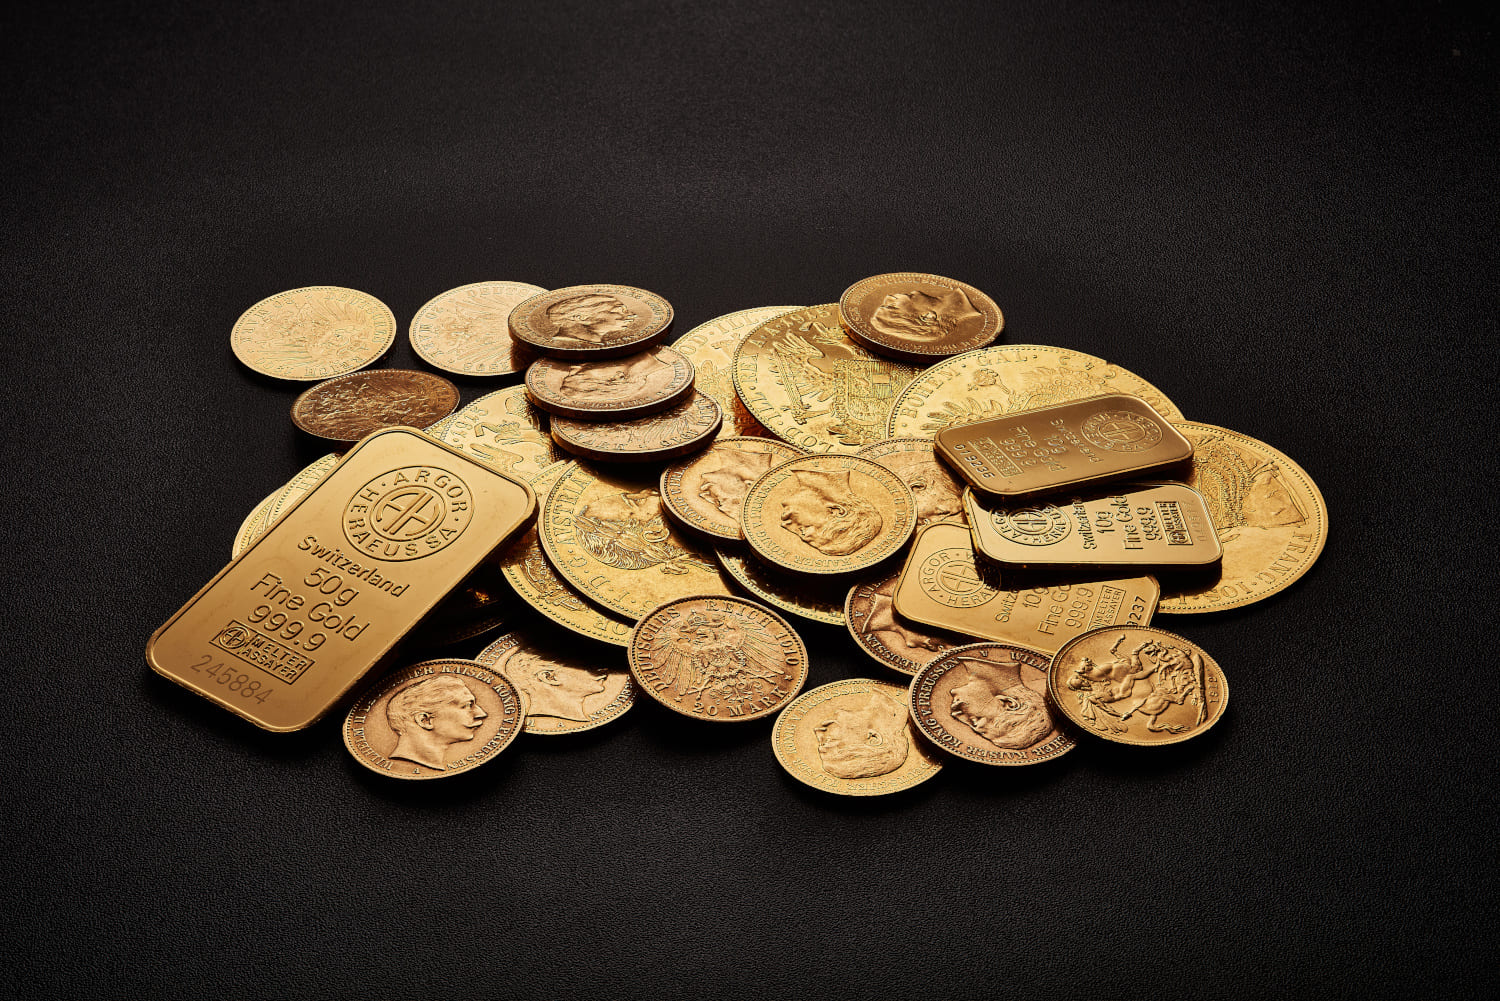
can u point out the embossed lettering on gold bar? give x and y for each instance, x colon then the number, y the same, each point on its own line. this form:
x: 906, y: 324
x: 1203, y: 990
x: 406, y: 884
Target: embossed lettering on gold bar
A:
x: 280, y: 634
x: 1135, y: 525
x: 1052, y: 448
x: 941, y: 586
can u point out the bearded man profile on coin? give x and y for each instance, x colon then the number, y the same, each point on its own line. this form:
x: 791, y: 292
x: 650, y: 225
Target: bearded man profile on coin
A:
x: 597, y: 382
x: 725, y: 486
x: 431, y: 716
x: 585, y: 320
x: 864, y: 741
x: 554, y: 689
x: 997, y: 705
x: 927, y: 315
x: 826, y: 513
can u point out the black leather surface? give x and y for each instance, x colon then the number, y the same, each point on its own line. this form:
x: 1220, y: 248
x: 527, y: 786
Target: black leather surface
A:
x: 1283, y: 217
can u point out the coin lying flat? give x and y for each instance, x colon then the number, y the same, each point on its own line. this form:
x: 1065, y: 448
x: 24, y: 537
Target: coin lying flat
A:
x: 718, y: 658
x: 885, y: 634
x: 993, y: 382
x: 504, y: 431
x: 686, y: 427
x: 348, y: 407
x: 603, y: 531
x: 567, y: 688
x: 795, y: 593
x: 987, y: 702
x: 938, y: 493
x: 466, y: 330
x: 274, y: 506
x: 1272, y: 520
x: 613, y: 389
x: 526, y: 568
x: 434, y: 719
x: 919, y: 317
x: 315, y: 333
x: 706, y: 491
x: 1137, y: 685
x: 591, y: 321
x: 710, y: 347
x: 854, y: 738
x: 811, y: 386
x: 828, y: 514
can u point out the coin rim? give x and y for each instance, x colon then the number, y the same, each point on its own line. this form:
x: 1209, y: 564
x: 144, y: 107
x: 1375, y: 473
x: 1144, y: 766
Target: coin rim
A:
x: 934, y: 760
x: 624, y: 700
x: 902, y: 350
x: 725, y: 554
x: 603, y: 455
x: 685, y: 515
x: 559, y: 407
x: 611, y: 351
x: 302, y: 397
x: 411, y: 332
x: 864, y: 641
x: 235, y: 336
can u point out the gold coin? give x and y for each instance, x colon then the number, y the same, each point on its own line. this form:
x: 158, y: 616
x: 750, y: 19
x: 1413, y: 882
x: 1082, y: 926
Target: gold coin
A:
x: 686, y: 427
x: 718, y: 658
x: 853, y: 738
x: 502, y: 430
x: 938, y: 493
x: 885, y: 634
x: 706, y: 491
x: 828, y: 514
x: 566, y: 688
x: 466, y: 330
x: 434, y: 719
x: 346, y: 408
x: 591, y: 321
x: 252, y: 526
x: 273, y: 506
x: 710, y: 347
x: 614, y: 389
x: 993, y: 382
x: 804, y: 596
x: 802, y: 377
x: 1137, y: 685
x: 1271, y: 518
x: 526, y: 567
x: 474, y: 608
x: 987, y: 702
x: 603, y: 531
x: 919, y: 318
x: 311, y: 334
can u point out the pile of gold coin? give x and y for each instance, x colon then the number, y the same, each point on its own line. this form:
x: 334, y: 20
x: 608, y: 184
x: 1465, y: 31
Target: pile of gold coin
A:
x: 995, y: 525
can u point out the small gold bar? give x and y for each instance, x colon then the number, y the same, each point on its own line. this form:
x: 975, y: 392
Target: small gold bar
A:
x: 1138, y: 525
x: 942, y: 586
x: 323, y: 597
x: 1102, y: 438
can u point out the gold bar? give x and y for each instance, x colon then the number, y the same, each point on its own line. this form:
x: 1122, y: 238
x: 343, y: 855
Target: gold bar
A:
x: 1029, y: 452
x: 1138, y: 525
x: 942, y: 586
x: 282, y: 632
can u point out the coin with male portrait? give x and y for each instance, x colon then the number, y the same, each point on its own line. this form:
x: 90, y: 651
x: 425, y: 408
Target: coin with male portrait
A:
x: 569, y: 686
x: 613, y: 388
x: 987, y: 702
x: 591, y: 321
x: 853, y: 738
x: 706, y: 491
x: 919, y: 317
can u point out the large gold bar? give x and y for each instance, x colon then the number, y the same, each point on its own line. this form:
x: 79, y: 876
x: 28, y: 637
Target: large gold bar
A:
x: 323, y: 597
x: 941, y: 586
x: 1102, y: 438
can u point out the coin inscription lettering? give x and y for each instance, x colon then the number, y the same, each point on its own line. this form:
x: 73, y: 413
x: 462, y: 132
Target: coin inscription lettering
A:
x: 853, y: 738
x: 987, y: 702
x: 315, y: 333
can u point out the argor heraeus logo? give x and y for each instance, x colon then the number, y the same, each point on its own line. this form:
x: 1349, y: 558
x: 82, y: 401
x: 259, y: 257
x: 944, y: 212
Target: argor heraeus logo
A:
x: 408, y: 513
x: 1032, y: 526
x: 1121, y: 431
x: 949, y: 577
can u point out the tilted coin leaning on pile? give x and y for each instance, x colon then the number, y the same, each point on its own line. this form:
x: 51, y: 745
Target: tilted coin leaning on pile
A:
x: 994, y: 525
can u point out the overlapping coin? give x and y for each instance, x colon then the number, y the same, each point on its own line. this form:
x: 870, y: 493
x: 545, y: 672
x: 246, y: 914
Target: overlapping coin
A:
x: 315, y: 333
x: 686, y: 427
x: 885, y: 634
x: 466, y: 330
x: 710, y: 347
x: 808, y: 597
x: 274, y: 506
x: 504, y: 431
x: 567, y: 687
x: 706, y: 491
x: 591, y: 321
x: 615, y: 389
x: 919, y: 317
x: 853, y: 738
x: 938, y: 493
x: 348, y: 407
x: 987, y: 702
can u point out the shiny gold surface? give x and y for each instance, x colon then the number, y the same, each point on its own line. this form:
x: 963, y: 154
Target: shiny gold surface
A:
x: 466, y: 330
x: 919, y: 317
x: 992, y: 382
x: 1137, y: 685
x: 1272, y: 520
x: 853, y: 738
x: 614, y: 389
x: 706, y: 491
x: 1063, y: 446
x: 809, y: 597
x: 320, y: 599
x: 1141, y: 525
x: 686, y: 427
x: 434, y: 719
x: 346, y: 408
x: 941, y: 586
x: 938, y: 493
x: 885, y: 634
x: 828, y: 514
x: 275, y: 506
x: 315, y: 333
x: 568, y: 688
x: 252, y: 526
x: 603, y: 531
x: 811, y: 386
x: 987, y: 702
x: 591, y: 321
x: 710, y: 347
x: 718, y: 658
x: 504, y: 431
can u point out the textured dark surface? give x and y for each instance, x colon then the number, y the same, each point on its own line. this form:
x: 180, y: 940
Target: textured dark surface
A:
x: 1283, y: 217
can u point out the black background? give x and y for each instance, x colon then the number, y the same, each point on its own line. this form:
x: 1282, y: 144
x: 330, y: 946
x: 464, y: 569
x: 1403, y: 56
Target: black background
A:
x: 1283, y: 216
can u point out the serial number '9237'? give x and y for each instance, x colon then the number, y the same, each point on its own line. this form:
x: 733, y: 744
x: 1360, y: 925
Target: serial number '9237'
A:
x: 242, y: 685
